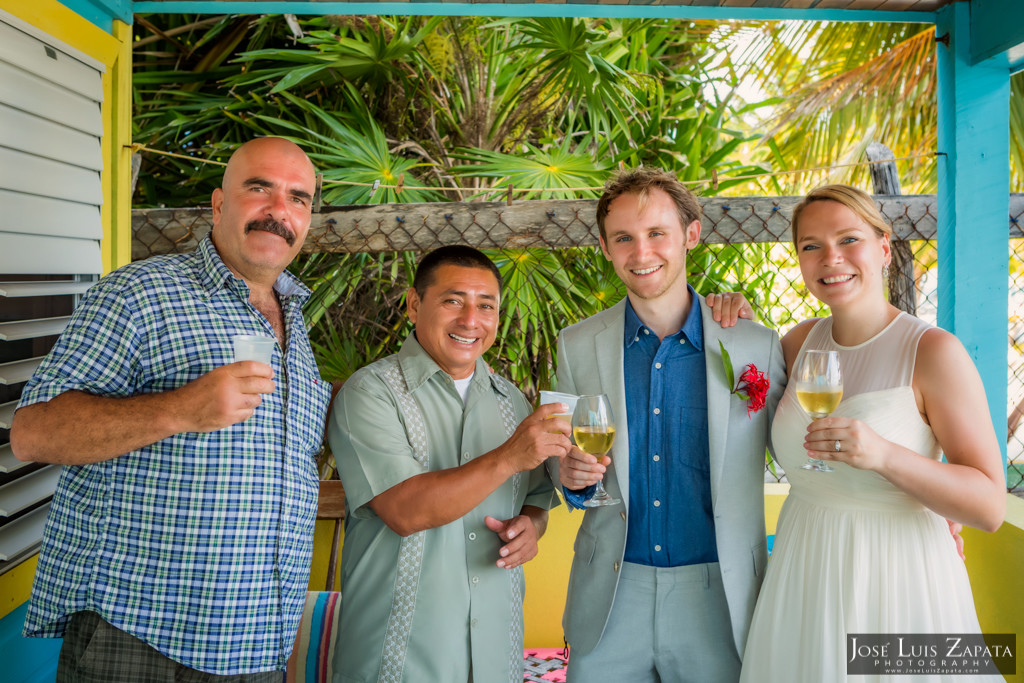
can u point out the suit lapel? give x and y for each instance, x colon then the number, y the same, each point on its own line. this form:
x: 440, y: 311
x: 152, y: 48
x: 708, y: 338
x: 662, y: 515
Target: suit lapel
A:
x: 718, y: 397
x: 609, y: 353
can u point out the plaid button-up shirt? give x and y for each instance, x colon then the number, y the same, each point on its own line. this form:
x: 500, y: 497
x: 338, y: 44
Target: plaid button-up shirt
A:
x: 199, y: 544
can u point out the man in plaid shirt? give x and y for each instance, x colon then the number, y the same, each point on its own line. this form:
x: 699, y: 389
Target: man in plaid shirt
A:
x: 180, y: 535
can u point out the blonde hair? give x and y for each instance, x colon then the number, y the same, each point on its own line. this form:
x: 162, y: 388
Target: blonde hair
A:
x: 857, y: 201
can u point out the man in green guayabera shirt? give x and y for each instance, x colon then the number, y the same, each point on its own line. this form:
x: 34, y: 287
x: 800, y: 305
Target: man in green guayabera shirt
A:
x: 446, y: 494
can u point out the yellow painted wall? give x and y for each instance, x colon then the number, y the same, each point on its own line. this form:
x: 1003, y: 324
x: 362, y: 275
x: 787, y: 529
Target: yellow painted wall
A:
x: 774, y: 497
x: 995, y: 563
x: 16, y: 585
x: 547, y: 579
x: 114, y: 52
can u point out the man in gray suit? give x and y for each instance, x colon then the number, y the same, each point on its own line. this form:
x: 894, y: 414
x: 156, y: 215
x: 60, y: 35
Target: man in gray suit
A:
x: 663, y: 585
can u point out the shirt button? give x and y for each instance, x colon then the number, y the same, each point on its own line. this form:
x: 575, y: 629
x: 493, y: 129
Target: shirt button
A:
x: 475, y: 579
x: 465, y: 456
x: 472, y: 535
x: 657, y: 365
x: 616, y: 566
x: 474, y: 622
x: 646, y: 331
x: 657, y: 548
x: 636, y: 338
x: 657, y: 411
x: 622, y: 513
x: 657, y: 457
x: 657, y: 503
x: 682, y: 341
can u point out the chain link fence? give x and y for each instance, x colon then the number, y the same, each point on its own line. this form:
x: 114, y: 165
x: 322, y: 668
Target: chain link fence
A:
x: 359, y: 261
x: 1015, y: 362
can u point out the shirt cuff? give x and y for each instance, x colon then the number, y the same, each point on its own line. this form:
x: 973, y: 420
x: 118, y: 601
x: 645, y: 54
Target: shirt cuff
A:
x: 576, y: 499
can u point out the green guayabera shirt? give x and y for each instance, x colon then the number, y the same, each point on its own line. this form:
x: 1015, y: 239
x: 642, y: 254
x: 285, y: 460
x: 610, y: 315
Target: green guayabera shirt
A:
x: 427, y: 607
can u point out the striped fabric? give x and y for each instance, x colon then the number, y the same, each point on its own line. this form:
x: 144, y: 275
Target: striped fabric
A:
x: 312, y: 660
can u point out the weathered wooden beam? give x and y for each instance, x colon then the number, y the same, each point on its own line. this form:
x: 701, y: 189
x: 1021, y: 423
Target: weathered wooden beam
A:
x: 885, y: 180
x: 553, y: 224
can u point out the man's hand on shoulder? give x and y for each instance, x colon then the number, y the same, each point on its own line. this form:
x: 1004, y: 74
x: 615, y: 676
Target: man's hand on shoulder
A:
x: 728, y: 308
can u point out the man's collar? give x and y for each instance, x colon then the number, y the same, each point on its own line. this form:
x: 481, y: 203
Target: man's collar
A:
x: 693, y: 326
x: 214, y: 274
x: 692, y: 329
x: 633, y: 326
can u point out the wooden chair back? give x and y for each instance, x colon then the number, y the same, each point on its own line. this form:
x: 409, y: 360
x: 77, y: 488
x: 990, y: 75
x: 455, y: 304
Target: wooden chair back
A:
x: 331, y: 505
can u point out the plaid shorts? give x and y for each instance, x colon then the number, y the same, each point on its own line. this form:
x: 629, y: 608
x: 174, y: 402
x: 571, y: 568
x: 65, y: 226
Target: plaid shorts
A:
x: 94, y: 651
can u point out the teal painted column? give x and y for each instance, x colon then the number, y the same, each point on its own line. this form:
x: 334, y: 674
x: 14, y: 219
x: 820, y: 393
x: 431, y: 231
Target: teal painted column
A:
x: 974, y: 203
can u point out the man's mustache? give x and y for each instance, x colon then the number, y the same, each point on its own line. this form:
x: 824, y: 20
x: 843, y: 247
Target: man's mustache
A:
x: 270, y: 225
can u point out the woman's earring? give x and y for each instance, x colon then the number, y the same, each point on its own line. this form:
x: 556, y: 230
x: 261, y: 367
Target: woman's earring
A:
x: 885, y: 272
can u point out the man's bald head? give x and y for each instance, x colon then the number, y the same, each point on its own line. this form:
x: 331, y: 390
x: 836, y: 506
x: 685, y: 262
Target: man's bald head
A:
x: 274, y: 147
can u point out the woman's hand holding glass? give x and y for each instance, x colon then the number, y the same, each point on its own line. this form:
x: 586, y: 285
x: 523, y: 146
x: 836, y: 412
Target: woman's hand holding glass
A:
x: 859, y: 445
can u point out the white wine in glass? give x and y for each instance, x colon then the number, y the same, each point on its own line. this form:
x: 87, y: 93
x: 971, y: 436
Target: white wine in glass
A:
x: 593, y: 429
x: 819, y: 389
x: 594, y: 440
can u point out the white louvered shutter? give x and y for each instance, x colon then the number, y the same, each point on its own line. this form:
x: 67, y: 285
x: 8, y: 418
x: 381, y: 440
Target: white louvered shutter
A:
x: 50, y: 231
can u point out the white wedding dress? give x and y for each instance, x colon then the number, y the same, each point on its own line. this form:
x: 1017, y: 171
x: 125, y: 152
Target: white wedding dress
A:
x: 853, y: 553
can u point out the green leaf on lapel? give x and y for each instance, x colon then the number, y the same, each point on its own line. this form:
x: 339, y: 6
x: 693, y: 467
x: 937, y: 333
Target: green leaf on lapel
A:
x: 727, y: 364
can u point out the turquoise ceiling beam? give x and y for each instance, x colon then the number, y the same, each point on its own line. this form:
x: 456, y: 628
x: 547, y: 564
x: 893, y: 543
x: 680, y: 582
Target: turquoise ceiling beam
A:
x: 974, y: 203
x: 996, y: 27
x: 101, y: 12
x: 493, y: 9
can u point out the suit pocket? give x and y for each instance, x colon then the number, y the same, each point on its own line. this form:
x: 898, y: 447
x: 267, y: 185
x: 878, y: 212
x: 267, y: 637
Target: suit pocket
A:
x: 581, y: 582
x: 585, y: 547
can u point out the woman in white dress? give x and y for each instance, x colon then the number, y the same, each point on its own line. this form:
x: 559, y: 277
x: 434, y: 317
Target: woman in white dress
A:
x: 866, y: 548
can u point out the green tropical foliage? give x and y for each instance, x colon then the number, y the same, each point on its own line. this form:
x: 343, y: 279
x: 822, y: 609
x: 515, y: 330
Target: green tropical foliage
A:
x: 463, y: 107
x: 840, y: 86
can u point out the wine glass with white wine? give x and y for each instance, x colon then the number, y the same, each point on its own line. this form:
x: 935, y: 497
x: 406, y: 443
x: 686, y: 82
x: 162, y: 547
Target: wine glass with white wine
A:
x: 593, y: 429
x: 819, y: 389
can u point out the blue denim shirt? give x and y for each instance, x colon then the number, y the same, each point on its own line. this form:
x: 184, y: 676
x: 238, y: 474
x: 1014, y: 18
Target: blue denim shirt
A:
x: 670, y: 513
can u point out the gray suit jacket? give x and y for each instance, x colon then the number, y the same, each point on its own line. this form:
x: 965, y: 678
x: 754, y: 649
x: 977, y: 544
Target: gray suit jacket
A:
x: 590, y: 356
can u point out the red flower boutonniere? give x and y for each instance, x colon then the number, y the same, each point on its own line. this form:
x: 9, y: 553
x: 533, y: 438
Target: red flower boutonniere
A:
x: 752, y: 386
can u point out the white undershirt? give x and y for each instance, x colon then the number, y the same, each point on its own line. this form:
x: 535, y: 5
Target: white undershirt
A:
x: 462, y: 386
